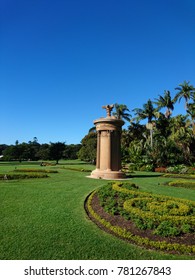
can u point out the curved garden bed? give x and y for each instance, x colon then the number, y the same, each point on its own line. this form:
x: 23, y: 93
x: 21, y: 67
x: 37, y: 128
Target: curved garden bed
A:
x: 148, y: 220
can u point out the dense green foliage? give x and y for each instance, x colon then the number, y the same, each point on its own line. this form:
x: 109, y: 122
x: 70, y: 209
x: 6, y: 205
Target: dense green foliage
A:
x: 156, y: 139
x: 88, y: 149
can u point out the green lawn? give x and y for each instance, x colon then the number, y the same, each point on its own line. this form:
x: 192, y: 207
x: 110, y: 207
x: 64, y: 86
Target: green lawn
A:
x: 45, y: 218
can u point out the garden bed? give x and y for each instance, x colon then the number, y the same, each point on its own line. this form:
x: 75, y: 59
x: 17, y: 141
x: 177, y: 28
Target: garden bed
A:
x: 126, y: 215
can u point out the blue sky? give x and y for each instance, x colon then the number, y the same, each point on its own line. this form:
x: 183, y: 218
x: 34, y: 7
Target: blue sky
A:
x: 61, y: 60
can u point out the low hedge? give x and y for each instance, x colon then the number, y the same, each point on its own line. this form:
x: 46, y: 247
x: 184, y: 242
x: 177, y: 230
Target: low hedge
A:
x: 182, y: 184
x: 14, y: 176
x: 184, y: 176
x: 35, y: 170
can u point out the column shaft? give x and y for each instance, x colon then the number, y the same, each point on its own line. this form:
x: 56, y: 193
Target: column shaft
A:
x: 98, y: 150
x: 109, y: 151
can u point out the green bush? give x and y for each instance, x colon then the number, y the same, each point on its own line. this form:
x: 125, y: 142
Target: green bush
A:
x: 166, y: 228
x: 178, y: 169
x: 134, y: 167
x: 147, y: 167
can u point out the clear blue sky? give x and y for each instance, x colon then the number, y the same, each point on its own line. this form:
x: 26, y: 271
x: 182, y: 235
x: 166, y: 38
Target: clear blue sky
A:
x: 61, y: 60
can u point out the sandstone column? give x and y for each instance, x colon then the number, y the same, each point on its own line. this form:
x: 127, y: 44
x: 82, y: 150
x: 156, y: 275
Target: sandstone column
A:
x: 108, y: 162
x: 109, y: 151
x: 98, y: 150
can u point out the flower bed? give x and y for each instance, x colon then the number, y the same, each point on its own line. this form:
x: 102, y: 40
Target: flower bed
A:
x: 154, y: 221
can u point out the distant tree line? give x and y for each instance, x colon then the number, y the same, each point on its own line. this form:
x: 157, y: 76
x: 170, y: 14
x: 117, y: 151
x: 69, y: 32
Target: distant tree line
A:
x: 35, y: 151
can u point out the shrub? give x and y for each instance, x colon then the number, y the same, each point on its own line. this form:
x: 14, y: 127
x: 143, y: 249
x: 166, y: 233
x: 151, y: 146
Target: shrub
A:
x: 186, y: 228
x: 177, y: 169
x: 191, y: 170
x: 166, y: 228
x: 147, y: 167
x: 133, y: 167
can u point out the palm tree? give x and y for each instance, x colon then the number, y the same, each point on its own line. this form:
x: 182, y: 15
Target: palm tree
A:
x: 148, y: 112
x: 165, y: 101
x: 182, y: 135
x: 121, y: 112
x: 191, y: 112
x: 185, y: 91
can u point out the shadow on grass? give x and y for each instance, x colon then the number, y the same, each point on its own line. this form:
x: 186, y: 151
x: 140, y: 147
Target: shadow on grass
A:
x: 72, y: 163
x: 143, y: 175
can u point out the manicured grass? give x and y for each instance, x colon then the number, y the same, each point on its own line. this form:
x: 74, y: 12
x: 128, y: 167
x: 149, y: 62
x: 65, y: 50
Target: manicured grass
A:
x: 45, y: 218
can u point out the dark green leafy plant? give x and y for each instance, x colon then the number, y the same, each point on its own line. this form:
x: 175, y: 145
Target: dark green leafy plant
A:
x: 166, y: 228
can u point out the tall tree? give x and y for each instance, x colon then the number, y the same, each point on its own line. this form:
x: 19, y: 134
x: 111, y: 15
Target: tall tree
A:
x: 191, y: 112
x: 182, y: 135
x: 43, y: 152
x: 88, y: 148
x: 185, y: 91
x: 148, y: 112
x: 56, y: 151
x: 71, y: 151
x: 165, y: 102
x: 121, y: 112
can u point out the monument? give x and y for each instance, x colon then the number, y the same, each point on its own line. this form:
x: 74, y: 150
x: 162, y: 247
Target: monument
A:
x: 108, y: 160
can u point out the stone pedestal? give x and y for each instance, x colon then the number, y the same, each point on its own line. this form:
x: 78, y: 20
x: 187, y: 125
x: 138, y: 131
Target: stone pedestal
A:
x: 108, y: 161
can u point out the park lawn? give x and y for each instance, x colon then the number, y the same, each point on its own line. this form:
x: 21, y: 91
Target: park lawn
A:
x: 45, y: 218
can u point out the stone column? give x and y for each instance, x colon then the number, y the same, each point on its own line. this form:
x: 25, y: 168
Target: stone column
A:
x: 98, y: 150
x: 119, y: 149
x: 108, y: 161
x: 109, y: 150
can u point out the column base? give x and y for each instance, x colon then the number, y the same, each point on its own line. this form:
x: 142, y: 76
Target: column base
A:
x: 107, y: 174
